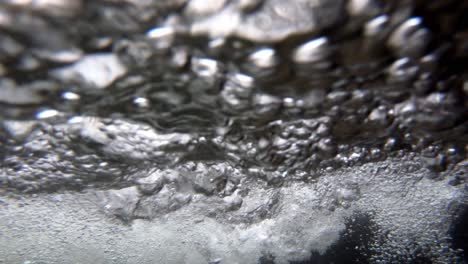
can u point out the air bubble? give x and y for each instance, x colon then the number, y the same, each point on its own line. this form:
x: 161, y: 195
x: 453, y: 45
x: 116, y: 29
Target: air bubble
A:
x: 141, y: 102
x: 70, y: 96
x: 205, y: 67
x: 311, y: 52
x: 264, y: 58
x: 162, y: 37
x: 375, y: 26
x: 48, y: 113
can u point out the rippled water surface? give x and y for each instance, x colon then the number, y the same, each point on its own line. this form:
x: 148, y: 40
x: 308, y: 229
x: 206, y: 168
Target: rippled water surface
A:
x: 241, y: 131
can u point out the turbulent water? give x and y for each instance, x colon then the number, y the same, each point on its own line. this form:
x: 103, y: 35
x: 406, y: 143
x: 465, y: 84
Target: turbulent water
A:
x: 233, y: 131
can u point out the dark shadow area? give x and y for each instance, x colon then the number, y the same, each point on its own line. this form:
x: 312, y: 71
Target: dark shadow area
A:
x: 353, y: 246
x: 460, y: 233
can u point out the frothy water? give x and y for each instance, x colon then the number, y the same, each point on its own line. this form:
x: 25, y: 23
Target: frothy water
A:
x: 231, y: 132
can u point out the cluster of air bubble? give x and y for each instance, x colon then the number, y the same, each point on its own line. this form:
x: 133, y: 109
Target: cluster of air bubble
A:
x: 224, y: 108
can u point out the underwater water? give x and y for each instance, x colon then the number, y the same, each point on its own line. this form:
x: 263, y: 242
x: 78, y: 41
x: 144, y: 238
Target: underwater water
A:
x: 233, y: 131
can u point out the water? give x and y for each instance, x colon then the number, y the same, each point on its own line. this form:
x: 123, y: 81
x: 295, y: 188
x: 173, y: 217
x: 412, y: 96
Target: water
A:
x: 231, y: 132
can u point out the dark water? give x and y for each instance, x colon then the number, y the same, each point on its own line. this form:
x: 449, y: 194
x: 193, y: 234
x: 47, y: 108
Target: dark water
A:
x: 233, y: 131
